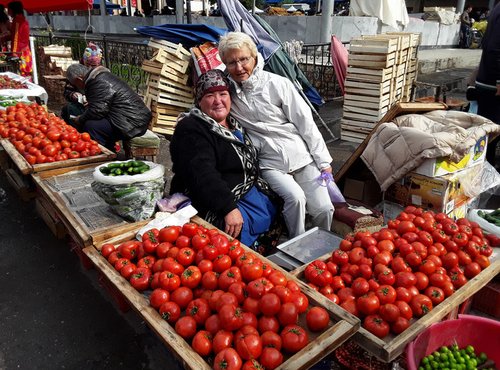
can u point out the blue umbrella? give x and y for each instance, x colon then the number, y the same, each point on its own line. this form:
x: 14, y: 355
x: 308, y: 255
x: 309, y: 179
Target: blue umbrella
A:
x: 188, y: 35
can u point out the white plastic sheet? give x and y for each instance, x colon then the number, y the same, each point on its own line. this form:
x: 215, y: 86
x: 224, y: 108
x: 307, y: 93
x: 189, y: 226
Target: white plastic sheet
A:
x: 391, y: 12
x: 32, y: 90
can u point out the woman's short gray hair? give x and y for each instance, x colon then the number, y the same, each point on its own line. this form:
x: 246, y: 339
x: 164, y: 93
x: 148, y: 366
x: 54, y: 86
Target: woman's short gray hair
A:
x: 76, y: 70
x: 236, y: 40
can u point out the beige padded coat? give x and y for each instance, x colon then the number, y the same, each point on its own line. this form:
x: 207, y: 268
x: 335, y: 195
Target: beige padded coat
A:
x: 400, y: 146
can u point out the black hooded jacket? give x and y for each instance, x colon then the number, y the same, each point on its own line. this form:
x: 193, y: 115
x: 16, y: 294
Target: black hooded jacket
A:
x: 109, y: 97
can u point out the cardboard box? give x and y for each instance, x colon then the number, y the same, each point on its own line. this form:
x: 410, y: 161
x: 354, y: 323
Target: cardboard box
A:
x: 366, y: 191
x: 442, y: 166
x: 439, y: 194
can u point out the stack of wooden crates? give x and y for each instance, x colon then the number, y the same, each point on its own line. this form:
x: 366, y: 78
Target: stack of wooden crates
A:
x: 168, y: 93
x: 381, y: 72
x: 54, y: 60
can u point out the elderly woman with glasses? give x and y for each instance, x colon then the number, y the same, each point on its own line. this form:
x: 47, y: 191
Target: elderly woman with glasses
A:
x: 292, y: 152
x: 215, y: 164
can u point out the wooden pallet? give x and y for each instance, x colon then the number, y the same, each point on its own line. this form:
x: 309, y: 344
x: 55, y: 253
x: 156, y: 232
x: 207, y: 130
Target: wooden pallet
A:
x: 342, y: 324
x: 165, y: 57
x: 175, y: 49
x: 392, y: 346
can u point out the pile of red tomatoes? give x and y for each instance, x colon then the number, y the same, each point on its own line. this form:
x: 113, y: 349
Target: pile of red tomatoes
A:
x: 43, y: 138
x: 227, y: 302
x: 402, y: 271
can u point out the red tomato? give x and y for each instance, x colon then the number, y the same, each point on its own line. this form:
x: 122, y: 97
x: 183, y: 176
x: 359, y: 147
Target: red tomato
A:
x: 300, y: 300
x: 249, y: 346
x: 376, y: 325
x: 368, y: 304
x: 271, y: 358
x: 170, y: 311
x: 404, y: 309
x: 271, y: 339
x: 169, y: 234
x: 389, y: 312
x: 186, y: 327
x: 317, y: 319
x: 269, y: 304
x: 158, y: 297
x: 360, y: 287
x: 288, y: 314
x: 191, y: 277
x: 199, y: 310
x: 182, y: 296
x: 223, y: 339
x: 400, y: 325
x: 435, y: 294
x: 227, y: 359
x: 202, y: 343
x: 386, y: 294
x: 231, y: 317
x: 267, y: 323
x: 294, y: 338
x: 420, y: 305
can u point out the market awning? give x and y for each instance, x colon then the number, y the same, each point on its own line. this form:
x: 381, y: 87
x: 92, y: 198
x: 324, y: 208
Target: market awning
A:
x: 38, y: 6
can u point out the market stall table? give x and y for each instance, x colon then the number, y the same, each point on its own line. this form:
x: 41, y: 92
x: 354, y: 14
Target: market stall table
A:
x: 342, y: 324
x: 31, y: 91
x: 68, y: 199
x: 392, y: 346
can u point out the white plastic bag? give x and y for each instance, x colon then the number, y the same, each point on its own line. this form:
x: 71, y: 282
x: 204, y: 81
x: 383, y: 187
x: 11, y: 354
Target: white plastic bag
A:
x: 133, y: 197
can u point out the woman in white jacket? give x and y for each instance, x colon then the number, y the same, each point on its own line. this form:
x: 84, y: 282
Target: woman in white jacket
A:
x: 291, y: 150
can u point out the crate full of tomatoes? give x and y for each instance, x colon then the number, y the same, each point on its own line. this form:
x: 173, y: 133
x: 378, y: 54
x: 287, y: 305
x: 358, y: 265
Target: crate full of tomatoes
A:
x: 230, y: 305
x: 393, y: 277
x: 43, y: 138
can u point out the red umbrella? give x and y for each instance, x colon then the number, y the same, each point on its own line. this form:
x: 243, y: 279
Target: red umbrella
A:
x: 339, y: 60
x: 42, y: 6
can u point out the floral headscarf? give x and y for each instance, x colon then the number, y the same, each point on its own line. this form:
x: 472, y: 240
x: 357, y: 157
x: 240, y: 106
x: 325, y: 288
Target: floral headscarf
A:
x: 210, y: 81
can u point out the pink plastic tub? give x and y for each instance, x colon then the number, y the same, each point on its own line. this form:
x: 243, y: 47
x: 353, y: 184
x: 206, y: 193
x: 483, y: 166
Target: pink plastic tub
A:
x: 483, y: 334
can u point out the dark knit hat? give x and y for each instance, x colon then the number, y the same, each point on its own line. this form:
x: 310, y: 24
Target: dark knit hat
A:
x: 210, y: 81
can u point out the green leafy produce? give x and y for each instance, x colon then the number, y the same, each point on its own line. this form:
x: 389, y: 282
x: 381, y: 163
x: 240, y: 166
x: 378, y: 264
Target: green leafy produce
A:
x: 452, y: 357
x: 124, y: 168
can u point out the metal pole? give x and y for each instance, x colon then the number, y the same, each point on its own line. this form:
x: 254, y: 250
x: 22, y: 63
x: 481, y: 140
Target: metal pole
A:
x: 326, y: 21
x: 103, y: 8
x: 33, y: 56
x: 188, y: 11
x: 253, y: 7
x: 179, y: 11
x: 460, y: 6
x: 129, y: 8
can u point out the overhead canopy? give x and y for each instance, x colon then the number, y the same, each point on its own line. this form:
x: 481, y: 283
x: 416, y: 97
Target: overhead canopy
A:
x: 42, y: 6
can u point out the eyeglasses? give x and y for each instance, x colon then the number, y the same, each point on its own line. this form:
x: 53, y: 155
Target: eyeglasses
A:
x: 242, y: 62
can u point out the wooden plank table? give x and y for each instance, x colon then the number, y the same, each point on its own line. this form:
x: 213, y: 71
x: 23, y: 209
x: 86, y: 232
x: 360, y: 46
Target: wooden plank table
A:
x: 342, y: 324
x: 25, y: 168
x: 392, y: 346
x: 56, y: 203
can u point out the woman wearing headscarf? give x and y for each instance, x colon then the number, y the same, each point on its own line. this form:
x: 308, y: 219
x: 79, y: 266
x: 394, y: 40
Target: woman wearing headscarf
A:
x: 215, y: 164
x: 20, y: 38
x: 92, y: 57
x: 292, y: 152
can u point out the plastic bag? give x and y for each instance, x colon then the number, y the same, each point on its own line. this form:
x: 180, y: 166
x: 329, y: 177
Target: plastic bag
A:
x: 326, y: 179
x: 132, y: 197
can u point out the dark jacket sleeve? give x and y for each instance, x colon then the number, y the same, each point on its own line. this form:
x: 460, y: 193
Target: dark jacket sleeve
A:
x: 99, y: 94
x: 194, y: 153
x: 69, y: 93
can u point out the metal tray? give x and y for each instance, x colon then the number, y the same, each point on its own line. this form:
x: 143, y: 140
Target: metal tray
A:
x: 305, y: 248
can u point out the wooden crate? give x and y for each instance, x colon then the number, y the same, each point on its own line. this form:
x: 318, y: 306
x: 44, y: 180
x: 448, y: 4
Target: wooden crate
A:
x: 25, y: 168
x: 21, y: 184
x: 176, y: 49
x: 81, y: 234
x: 47, y: 212
x: 392, y: 346
x: 342, y: 325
